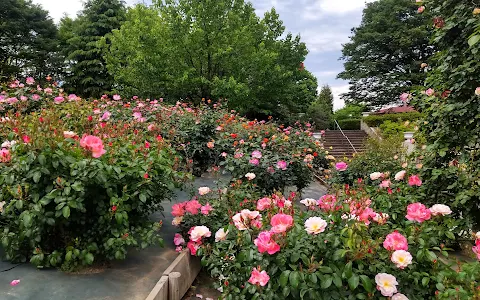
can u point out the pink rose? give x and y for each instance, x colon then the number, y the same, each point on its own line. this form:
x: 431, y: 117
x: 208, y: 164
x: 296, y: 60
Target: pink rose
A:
x: 199, y: 232
x: 178, y: 209
x: 282, y: 165
x: 58, y: 99
x: 414, y: 180
x: 178, y: 239
x: 260, y: 278
x: 206, y: 209
x: 193, y: 207
x: 418, y: 212
x: 281, y: 223
x: 254, y: 161
x: 193, y: 247
x: 341, y: 166
x: 106, y: 115
x: 404, y: 97
x: 30, y: 80
x: 395, y: 241
x: 256, y: 154
x: 264, y: 203
x: 421, y: 9
x: 15, y: 282
x: 94, y: 144
x: 265, y: 243
x: 5, y: 155
x: 116, y: 97
x: 328, y: 203
x: 385, y: 184
x: 476, y: 248
x: 430, y: 92
x: 400, y: 175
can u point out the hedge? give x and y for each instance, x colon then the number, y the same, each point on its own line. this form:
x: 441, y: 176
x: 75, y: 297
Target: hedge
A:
x: 349, y: 124
x: 377, y: 120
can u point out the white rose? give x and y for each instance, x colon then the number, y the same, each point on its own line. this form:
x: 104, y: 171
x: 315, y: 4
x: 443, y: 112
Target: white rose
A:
x: 221, y: 235
x: 386, y: 283
x: 177, y: 220
x: 199, y: 232
x: 238, y: 222
x: 315, y: 225
x: 376, y: 175
x: 477, y: 235
x: 440, y: 209
x: 288, y: 203
x: 401, y: 258
x: 400, y: 175
x: 250, y: 176
x: 309, y: 202
x: 399, y: 297
x: 69, y: 134
x: 1, y: 206
x: 204, y: 190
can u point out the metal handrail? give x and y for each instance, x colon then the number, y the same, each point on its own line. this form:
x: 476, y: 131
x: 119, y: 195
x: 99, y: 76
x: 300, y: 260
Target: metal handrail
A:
x: 336, y: 123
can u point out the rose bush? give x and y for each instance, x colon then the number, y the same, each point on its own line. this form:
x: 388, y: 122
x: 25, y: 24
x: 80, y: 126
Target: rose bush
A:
x: 364, y: 242
x: 78, y: 186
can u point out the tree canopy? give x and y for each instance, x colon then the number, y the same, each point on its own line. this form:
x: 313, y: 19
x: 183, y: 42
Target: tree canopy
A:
x: 195, y: 50
x: 320, y: 112
x: 28, y: 41
x: 384, y: 56
x: 87, y: 74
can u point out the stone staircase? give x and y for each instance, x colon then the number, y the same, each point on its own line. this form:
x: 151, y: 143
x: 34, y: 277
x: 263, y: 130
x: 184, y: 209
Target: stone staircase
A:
x: 340, y: 145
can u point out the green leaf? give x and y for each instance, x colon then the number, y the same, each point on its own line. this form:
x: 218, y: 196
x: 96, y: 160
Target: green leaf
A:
x: 68, y: 257
x: 89, y: 258
x: 473, y: 40
x: 119, y: 218
x: 27, y: 220
x: 41, y: 159
x: 143, y: 197
x: 284, y: 278
x: 450, y: 235
x: 367, y: 283
x: 337, y: 280
x: 36, y: 176
x: 294, y: 279
x: 353, y: 281
x: 19, y: 204
x: 440, y: 286
x: 66, y: 211
x: 326, y: 282
x: 425, y: 281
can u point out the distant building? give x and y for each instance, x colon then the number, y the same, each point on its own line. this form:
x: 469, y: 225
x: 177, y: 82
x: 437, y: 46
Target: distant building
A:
x: 394, y: 110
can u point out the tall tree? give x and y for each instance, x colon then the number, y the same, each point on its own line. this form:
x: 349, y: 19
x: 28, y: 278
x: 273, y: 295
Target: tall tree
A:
x: 28, y: 41
x: 383, y: 58
x: 189, y: 49
x: 320, y: 112
x: 87, y: 73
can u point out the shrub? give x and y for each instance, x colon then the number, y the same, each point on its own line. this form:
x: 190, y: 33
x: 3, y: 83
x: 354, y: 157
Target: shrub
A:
x: 390, y: 128
x: 378, y: 120
x: 349, y: 124
x: 335, y: 249
x: 379, y: 155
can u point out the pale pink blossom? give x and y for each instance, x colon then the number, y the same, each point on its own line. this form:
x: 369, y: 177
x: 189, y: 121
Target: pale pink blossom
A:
x: 376, y: 175
x: 250, y: 176
x: 401, y: 258
x: 203, y: 190
x: 395, y: 241
x: 282, y: 165
x: 281, y: 223
x: 328, y: 203
x: 30, y: 80
x: 116, y: 97
x: 404, y: 97
x: 399, y: 296
x: 264, y: 203
x: 400, y: 175
x: 177, y: 221
x: 421, y: 9
x: 259, y: 278
x: 94, y: 144
x: 192, y: 207
x: 106, y: 116
x: 429, y: 92
x: 69, y: 134
x: 309, y: 202
x: 199, y: 232
x: 58, y: 99
x: 477, y: 91
x: 221, y: 235
x: 254, y: 161
x: 418, y: 212
x: 315, y: 225
x: 178, y: 239
x: 385, y: 184
x: 206, y: 209
x: 440, y: 209
x: 256, y: 154
x: 386, y: 283
x: 15, y: 282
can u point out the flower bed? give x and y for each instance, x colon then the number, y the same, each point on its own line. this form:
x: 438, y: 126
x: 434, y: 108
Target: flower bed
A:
x: 367, y: 241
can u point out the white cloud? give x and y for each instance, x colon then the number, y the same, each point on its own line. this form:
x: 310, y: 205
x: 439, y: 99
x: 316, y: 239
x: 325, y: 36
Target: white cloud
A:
x: 320, y: 40
x: 329, y: 74
x: 57, y: 8
x: 337, y: 91
x: 320, y: 8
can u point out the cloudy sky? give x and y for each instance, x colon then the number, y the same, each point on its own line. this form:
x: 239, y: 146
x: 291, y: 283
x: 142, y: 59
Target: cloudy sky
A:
x: 324, y: 26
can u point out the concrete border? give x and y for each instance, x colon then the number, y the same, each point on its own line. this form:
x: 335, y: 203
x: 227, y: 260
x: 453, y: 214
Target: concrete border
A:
x: 177, y: 278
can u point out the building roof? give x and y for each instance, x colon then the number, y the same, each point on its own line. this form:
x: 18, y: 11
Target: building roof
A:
x: 394, y: 110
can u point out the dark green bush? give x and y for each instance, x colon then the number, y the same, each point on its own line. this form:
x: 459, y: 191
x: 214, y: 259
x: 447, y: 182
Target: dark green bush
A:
x: 377, y: 120
x: 349, y: 124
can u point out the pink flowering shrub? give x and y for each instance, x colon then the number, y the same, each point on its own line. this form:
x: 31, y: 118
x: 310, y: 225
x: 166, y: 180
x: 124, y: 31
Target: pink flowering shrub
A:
x: 76, y: 187
x: 347, y: 245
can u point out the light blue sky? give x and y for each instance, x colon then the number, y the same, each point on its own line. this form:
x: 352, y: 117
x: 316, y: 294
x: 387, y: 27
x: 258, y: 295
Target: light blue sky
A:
x: 324, y: 26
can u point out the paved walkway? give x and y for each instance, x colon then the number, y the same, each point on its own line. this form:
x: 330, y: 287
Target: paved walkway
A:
x: 130, y: 279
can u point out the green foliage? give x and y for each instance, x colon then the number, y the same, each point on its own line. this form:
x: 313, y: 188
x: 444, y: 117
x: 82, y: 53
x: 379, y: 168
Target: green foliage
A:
x: 379, y: 155
x: 383, y: 58
x: 377, y: 120
x: 350, y: 111
x: 29, y: 45
x: 349, y: 124
x: 390, y: 128
x: 212, y: 49
x: 320, y: 112
x: 87, y: 74
x: 452, y: 113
